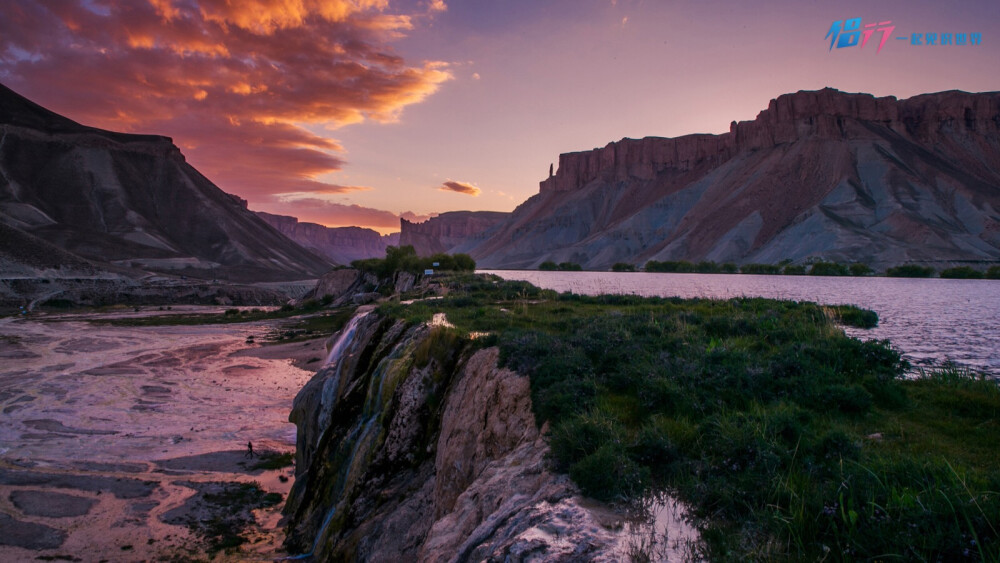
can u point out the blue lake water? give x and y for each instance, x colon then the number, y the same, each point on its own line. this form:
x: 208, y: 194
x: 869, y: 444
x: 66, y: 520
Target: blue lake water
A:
x: 930, y: 320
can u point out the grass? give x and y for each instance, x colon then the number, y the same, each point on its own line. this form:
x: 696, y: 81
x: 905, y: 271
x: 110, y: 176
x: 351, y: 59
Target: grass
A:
x: 274, y: 460
x: 230, y: 506
x: 788, y: 439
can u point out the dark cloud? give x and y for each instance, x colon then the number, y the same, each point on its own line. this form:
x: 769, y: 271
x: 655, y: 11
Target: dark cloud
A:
x: 460, y: 187
x: 233, y: 83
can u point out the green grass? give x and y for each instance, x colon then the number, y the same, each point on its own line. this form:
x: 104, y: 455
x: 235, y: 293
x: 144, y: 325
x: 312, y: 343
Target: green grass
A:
x: 789, y: 440
x: 274, y: 460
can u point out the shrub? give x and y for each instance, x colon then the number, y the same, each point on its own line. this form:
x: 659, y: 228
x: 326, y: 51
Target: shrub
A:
x: 622, y: 267
x: 570, y: 267
x: 705, y: 267
x: 910, y: 271
x: 767, y: 269
x: 828, y: 269
x: 548, y: 266
x: 962, y: 273
x: 855, y: 316
x: 993, y: 273
x: 609, y: 474
x: 794, y: 270
x: 678, y: 267
x: 859, y: 269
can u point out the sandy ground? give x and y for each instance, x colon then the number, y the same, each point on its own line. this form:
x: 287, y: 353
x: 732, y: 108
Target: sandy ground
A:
x: 104, y: 429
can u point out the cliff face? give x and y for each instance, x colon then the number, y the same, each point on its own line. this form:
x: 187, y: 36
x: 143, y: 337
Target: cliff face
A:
x: 426, y: 456
x: 131, y: 201
x: 449, y: 232
x: 822, y: 174
x: 341, y: 245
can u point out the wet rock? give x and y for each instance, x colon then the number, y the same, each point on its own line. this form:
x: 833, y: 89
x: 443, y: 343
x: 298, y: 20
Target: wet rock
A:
x: 50, y: 505
x: 429, y: 463
x: 28, y: 534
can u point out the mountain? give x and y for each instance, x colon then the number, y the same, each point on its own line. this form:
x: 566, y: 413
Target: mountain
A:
x: 342, y: 245
x: 129, y: 202
x: 449, y: 232
x: 818, y: 174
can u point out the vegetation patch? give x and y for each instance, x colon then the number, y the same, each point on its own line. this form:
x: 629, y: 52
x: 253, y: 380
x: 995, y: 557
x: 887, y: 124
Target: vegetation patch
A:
x: 962, y: 273
x: 274, y: 460
x: 790, y: 440
x: 910, y: 271
x: 221, y: 513
x: 405, y: 259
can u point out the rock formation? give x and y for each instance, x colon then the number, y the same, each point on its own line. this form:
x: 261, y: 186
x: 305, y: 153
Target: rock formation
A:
x: 818, y: 174
x: 449, y: 232
x: 341, y: 245
x: 405, y: 455
x: 130, y: 202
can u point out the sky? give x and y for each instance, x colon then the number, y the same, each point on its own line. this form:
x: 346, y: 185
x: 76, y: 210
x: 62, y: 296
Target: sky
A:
x: 359, y: 112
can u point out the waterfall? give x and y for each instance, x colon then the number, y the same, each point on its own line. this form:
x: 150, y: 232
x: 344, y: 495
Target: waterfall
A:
x: 346, y: 335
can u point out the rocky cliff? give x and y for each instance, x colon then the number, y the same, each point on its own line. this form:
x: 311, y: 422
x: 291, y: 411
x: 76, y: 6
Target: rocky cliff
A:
x: 341, y: 245
x: 449, y: 232
x: 818, y: 174
x: 413, y: 449
x: 130, y: 201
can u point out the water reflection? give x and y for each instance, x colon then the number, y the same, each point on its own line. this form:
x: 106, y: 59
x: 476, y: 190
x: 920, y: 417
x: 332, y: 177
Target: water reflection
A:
x: 930, y: 320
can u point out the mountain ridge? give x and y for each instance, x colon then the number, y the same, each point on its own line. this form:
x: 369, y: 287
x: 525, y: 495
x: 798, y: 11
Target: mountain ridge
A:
x: 131, y: 202
x: 817, y: 175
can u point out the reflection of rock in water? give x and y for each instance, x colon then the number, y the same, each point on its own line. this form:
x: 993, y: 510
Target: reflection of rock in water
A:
x: 657, y: 530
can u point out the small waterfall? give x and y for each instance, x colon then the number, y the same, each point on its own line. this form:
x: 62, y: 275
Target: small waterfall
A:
x: 346, y: 335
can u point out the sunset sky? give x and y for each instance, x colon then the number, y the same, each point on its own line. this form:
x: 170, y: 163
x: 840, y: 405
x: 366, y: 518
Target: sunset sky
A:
x: 353, y: 112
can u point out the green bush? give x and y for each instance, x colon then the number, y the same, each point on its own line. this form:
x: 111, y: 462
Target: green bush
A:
x: 993, y: 273
x: 794, y: 270
x: 623, y: 267
x: 766, y: 269
x: 570, y: 267
x: 548, y: 266
x: 828, y: 269
x: 910, y: 271
x: 962, y: 273
x: 859, y: 269
x: 405, y: 259
x: 678, y: 267
x: 855, y: 316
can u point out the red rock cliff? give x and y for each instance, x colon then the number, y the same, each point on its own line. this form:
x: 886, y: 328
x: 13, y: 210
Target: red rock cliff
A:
x: 447, y: 231
x: 827, y: 113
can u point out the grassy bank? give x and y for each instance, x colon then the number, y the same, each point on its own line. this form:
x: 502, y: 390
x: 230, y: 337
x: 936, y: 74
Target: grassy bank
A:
x: 790, y: 440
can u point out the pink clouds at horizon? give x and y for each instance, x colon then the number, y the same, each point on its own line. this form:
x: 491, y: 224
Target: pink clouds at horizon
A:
x: 234, y: 84
x: 333, y: 214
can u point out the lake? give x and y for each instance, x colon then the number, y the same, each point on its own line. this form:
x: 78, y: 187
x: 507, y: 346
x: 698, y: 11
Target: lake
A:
x: 930, y: 320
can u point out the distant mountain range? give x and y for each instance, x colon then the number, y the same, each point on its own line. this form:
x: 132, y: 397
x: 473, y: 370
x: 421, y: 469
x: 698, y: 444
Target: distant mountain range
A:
x: 817, y: 175
x: 341, y: 245
x: 82, y: 200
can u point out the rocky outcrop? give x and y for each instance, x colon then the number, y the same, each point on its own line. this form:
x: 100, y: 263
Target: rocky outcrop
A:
x: 131, y: 202
x: 448, y: 232
x: 409, y: 450
x: 818, y: 174
x: 341, y: 245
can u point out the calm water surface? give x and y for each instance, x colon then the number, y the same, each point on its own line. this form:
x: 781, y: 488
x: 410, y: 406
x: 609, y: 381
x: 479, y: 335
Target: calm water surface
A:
x: 929, y: 320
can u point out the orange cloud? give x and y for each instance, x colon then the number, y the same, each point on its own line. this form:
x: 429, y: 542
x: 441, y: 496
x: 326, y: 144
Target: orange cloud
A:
x: 460, y: 187
x: 234, y: 83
